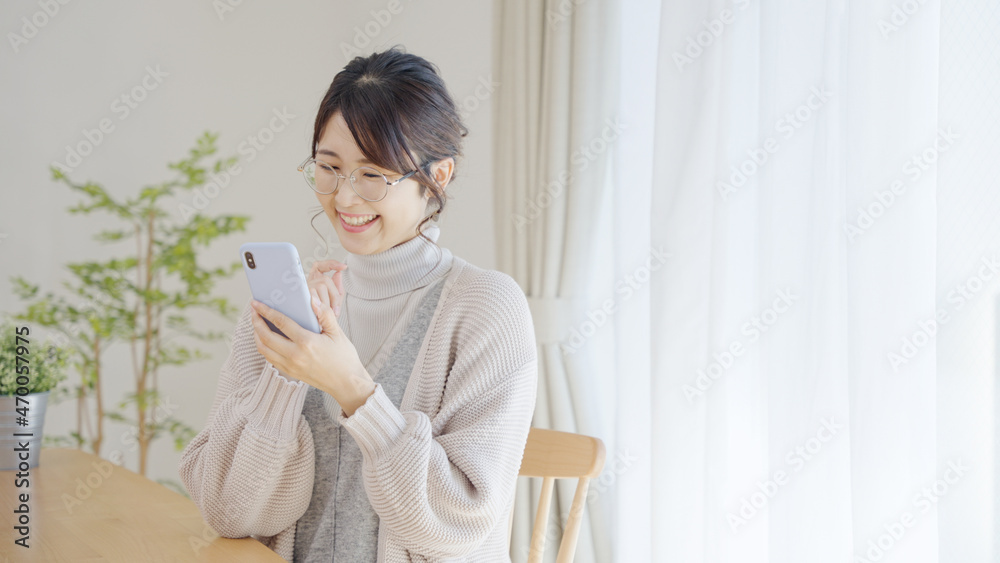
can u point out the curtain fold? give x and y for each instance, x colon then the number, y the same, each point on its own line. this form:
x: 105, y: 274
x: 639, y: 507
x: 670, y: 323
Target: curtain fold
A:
x: 777, y: 305
x: 797, y: 386
x: 554, y: 129
x: 768, y: 347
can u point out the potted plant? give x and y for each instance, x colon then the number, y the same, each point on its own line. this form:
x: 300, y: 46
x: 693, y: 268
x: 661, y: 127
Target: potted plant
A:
x: 29, y: 370
x: 140, y: 298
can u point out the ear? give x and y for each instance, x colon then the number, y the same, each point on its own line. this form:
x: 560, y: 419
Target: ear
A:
x: 442, y: 171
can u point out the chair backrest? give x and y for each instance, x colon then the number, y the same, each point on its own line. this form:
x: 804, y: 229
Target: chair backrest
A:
x: 552, y: 455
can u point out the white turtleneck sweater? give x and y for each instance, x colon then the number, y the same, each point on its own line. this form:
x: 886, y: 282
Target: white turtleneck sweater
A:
x: 379, y: 286
x: 439, y: 470
x: 382, y: 294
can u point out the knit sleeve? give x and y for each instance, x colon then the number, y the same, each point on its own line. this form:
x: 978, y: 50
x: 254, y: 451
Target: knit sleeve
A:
x: 250, y: 470
x: 442, y: 492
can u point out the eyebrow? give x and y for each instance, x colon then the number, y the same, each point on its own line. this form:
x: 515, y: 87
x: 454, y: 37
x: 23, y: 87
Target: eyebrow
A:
x: 335, y: 155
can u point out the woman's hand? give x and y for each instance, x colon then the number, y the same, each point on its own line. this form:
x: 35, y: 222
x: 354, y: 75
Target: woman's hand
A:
x: 330, y: 289
x: 328, y: 361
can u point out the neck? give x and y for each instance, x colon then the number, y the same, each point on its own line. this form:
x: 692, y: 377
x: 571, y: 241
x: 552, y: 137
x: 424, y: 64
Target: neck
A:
x: 400, y: 269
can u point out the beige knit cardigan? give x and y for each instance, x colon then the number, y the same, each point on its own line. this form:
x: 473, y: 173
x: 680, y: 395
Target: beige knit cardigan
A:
x: 440, y: 471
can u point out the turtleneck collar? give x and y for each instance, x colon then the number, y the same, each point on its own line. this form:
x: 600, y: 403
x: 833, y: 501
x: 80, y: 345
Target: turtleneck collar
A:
x: 402, y: 268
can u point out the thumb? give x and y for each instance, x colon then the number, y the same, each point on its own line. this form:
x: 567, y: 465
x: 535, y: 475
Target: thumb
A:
x: 324, y: 314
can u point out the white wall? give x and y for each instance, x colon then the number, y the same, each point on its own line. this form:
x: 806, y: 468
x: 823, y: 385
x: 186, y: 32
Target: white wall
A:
x: 226, y: 74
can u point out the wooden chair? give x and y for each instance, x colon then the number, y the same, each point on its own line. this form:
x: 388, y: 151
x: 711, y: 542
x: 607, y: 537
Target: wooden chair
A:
x: 552, y: 455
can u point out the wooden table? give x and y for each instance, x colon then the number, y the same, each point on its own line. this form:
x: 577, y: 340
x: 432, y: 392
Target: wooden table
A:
x: 83, y: 508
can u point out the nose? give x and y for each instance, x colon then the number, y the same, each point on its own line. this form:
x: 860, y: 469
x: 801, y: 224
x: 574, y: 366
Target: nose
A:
x: 345, y: 197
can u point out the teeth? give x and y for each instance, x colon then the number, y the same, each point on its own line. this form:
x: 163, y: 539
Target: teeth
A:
x: 358, y: 221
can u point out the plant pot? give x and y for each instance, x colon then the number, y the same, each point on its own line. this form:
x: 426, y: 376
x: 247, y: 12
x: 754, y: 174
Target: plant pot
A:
x: 10, y: 457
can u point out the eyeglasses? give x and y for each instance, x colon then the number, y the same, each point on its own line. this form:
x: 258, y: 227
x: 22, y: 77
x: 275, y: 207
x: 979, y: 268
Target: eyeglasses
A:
x: 368, y: 183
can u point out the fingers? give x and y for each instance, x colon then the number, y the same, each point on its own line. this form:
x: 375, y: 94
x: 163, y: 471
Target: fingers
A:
x: 339, y: 282
x: 261, y: 347
x: 325, y: 289
x: 329, y: 289
x: 259, y: 329
x: 327, y: 265
x: 327, y: 318
x: 322, y: 291
x: 272, y: 340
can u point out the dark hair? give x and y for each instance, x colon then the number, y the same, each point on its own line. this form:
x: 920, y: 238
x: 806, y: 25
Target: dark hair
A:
x: 397, y: 108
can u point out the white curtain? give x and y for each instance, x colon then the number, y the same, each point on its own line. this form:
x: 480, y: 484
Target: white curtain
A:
x: 778, y: 308
x: 809, y: 375
x: 555, y: 126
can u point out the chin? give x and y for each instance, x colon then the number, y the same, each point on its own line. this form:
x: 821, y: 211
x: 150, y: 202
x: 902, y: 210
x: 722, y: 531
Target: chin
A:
x: 350, y: 243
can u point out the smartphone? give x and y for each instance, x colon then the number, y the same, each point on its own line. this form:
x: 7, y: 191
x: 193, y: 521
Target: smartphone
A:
x: 276, y: 279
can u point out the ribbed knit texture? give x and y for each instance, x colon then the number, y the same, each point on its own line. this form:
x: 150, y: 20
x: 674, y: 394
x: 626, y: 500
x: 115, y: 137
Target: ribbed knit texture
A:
x: 439, y: 470
x: 379, y: 286
x: 340, y: 523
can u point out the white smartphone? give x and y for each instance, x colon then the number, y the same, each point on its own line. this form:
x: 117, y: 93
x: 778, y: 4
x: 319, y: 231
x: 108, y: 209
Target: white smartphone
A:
x: 276, y: 280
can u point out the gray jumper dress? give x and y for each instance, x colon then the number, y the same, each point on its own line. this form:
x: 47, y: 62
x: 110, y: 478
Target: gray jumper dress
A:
x: 340, y: 524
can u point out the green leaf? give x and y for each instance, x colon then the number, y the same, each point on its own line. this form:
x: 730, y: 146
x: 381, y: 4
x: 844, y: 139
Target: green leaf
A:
x: 111, y: 236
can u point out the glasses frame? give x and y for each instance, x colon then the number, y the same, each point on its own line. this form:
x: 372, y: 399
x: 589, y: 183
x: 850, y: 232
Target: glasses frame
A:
x: 350, y: 179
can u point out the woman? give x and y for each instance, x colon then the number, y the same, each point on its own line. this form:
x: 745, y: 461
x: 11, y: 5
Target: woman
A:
x: 397, y: 433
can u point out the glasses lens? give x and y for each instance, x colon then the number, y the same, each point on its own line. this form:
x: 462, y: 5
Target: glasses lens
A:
x: 369, y: 183
x: 320, y: 176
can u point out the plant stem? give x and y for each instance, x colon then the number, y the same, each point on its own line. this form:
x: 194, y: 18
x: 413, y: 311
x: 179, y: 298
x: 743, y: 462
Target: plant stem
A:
x: 147, y: 348
x: 97, y: 394
x: 81, y: 392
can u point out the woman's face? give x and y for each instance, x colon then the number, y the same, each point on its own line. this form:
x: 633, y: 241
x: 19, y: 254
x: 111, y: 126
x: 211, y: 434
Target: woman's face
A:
x: 397, y: 214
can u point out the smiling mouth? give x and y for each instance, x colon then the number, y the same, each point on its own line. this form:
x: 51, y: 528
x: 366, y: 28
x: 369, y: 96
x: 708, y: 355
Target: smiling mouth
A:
x: 358, y: 220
